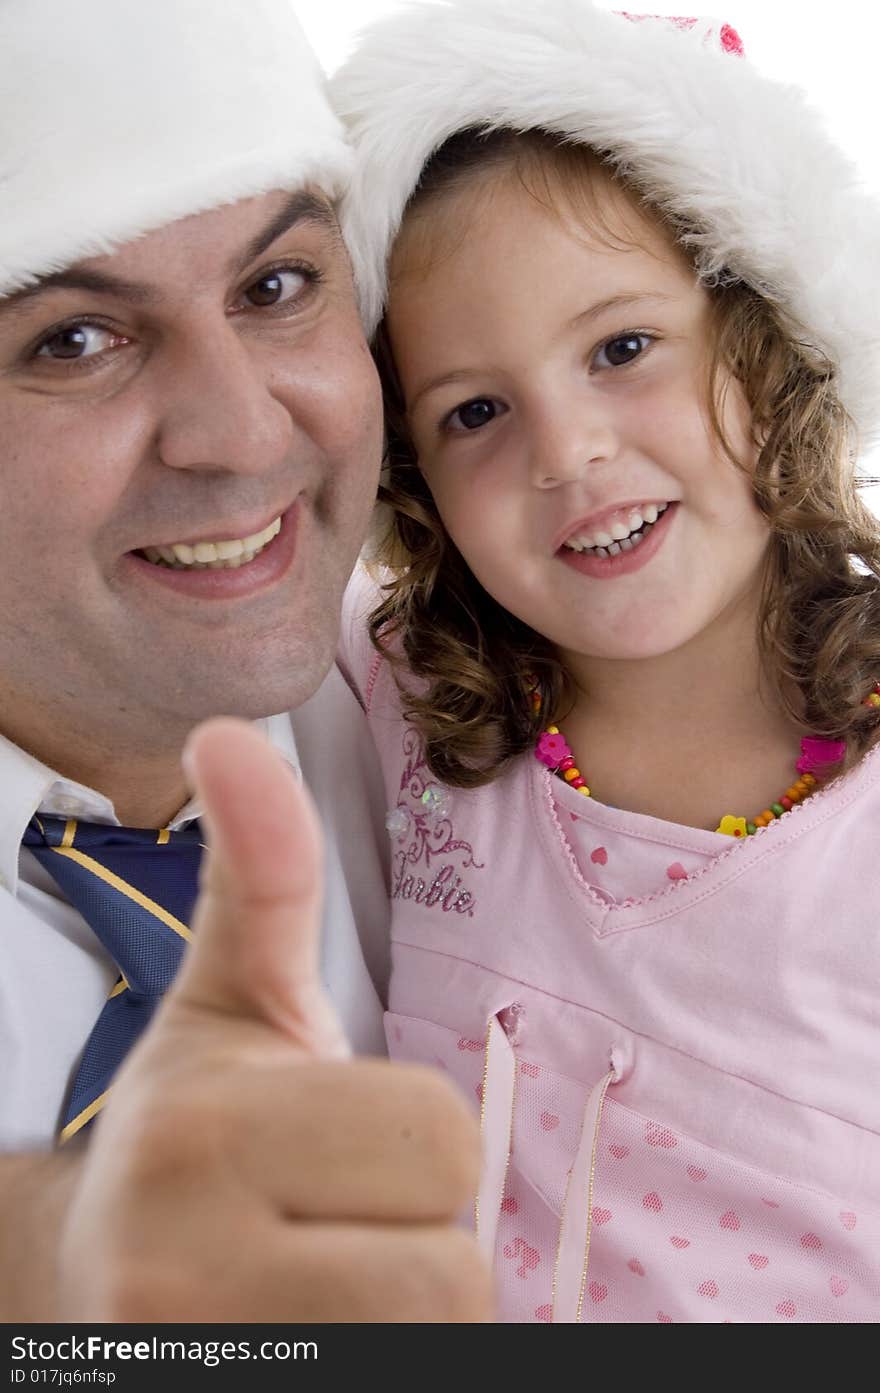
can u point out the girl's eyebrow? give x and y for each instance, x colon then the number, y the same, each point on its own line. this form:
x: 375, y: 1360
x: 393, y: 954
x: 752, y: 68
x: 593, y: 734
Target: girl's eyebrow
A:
x: 449, y: 379
x: 618, y: 302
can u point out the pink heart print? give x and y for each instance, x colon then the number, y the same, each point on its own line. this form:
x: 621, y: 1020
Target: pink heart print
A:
x: 696, y: 1173
x: 839, y: 1286
x: 599, y: 856
x: 811, y: 1240
x: 598, y: 1291
x: 528, y: 1257
x: 729, y: 1221
x: 602, y: 1216
x: 549, y: 1121
x: 655, y: 1135
x: 680, y: 1242
x: 709, y: 1289
x: 635, y: 1266
x: 619, y: 1152
x: 848, y: 1219
x: 786, y: 1308
x: 653, y: 1202
x: 758, y: 1261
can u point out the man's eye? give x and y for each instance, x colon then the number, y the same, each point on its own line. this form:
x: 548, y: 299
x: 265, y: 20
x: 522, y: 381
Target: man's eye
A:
x: 278, y: 286
x: 622, y: 350
x: 77, y: 341
x: 474, y: 414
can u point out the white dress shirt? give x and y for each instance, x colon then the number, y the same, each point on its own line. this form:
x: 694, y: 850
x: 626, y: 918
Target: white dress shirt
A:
x: 54, y: 973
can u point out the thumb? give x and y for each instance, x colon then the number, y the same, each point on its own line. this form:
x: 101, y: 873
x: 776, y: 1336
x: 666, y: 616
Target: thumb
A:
x: 257, y: 920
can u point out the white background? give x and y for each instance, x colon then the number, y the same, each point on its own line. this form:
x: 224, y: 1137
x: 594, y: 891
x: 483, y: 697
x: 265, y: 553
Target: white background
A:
x: 829, y: 47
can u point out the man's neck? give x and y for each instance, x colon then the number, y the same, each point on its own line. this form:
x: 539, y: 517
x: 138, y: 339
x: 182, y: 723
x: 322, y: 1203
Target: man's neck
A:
x: 143, y: 779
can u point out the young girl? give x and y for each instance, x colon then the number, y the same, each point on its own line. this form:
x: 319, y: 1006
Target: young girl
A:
x: 627, y: 648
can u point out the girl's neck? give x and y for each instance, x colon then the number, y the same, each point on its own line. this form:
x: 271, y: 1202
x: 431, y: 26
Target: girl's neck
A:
x: 686, y: 736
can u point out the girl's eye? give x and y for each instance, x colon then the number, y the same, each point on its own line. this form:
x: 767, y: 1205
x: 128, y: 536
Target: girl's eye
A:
x: 275, y: 287
x: 80, y: 340
x: 622, y: 350
x: 474, y: 414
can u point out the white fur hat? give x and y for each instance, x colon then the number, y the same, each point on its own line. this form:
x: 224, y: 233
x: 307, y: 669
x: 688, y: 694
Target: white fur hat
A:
x: 119, y: 116
x: 741, y: 159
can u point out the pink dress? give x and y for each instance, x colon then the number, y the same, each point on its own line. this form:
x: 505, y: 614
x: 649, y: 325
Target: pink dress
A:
x: 673, y: 1038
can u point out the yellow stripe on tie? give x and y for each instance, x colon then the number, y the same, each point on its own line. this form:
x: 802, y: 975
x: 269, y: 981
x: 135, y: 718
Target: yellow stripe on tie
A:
x: 82, y: 1118
x: 121, y: 986
x: 164, y: 837
x: 69, y: 833
x: 124, y: 888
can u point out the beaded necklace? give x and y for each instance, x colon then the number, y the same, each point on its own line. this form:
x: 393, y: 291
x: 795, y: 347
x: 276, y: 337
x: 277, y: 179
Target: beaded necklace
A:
x: 816, y: 758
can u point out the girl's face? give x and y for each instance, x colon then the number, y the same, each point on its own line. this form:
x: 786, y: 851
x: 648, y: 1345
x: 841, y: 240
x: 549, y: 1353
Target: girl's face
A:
x: 555, y: 393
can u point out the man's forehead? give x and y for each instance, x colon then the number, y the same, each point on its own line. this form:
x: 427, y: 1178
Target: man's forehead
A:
x: 235, y: 235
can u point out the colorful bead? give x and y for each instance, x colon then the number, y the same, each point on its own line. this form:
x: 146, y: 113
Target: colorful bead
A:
x: 553, y: 750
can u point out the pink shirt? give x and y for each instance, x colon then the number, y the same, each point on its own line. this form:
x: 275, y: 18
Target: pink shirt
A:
x: 673, y: 1037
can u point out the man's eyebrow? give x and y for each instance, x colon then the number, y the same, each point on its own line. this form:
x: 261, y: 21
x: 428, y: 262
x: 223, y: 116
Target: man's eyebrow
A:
x: 300, y: 207
x: 78, y: 278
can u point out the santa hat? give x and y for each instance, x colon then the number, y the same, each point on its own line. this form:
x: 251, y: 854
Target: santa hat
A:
x: 119, y: 116
x: 743, y: 162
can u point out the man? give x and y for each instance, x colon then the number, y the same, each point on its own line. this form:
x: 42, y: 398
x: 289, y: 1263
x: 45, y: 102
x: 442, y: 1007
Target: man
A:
x: 191, y: 435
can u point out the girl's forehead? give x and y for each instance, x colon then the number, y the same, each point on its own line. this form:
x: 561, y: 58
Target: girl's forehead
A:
x: 484, y: 220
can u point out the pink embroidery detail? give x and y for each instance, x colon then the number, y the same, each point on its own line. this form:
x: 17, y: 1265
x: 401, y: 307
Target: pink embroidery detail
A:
x: 676, y: 871
x: 431, y: 836
x: 599, y: 856
x: 528, y: 1257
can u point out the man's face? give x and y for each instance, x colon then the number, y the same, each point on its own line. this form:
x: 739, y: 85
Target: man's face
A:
x: 206, y: 384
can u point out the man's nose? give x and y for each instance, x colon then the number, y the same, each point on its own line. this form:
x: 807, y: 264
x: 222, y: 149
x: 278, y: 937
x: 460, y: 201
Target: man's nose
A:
x: 569, y: 439
x: 219, y: 411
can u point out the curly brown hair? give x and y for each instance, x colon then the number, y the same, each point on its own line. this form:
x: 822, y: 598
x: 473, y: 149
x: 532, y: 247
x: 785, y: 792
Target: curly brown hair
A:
x: 819, y: 620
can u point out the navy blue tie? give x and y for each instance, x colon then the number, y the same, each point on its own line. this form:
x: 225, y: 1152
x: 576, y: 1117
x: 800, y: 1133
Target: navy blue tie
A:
x: 135, y: 887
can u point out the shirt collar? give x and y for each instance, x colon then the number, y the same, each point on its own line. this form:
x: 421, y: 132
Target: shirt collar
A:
x: 29, y: 787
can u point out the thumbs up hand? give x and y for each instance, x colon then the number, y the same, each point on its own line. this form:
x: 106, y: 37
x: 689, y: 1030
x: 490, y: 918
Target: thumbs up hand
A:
x: 245, y: 1168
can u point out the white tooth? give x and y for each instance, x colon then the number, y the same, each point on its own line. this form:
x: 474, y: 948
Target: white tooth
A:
x: 614, y: 549
x: 600, y: 551
x: 181, y: 552
x: 635, y: 522
x: 572, y: 544
x: 166, y: 553
x: 601, y: 539
x: 226, y: 550
x: 247, y: 556
x: 662, y: 508
x: 636, y: 538
x: 205, y: 551
x: 275, y: 527
x: 625, y: 544
x: 650, y: 513
x: 152, y: 554
x: 619, y: 531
